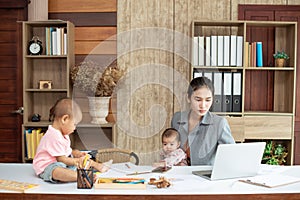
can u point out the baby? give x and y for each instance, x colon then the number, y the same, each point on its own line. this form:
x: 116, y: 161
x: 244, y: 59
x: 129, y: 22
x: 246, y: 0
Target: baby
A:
x: 55, y: 161
x: 171, y: 153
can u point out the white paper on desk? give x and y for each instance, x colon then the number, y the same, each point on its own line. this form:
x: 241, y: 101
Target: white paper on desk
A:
x: 271, y: 180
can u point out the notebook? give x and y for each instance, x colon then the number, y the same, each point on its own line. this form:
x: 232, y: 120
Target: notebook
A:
x: 235, y: 161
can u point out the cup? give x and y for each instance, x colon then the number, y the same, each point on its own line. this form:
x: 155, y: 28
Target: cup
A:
x: 85, y: 178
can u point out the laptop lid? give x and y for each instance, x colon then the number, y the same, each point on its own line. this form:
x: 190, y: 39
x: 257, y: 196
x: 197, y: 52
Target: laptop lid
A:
x: 236, y: 160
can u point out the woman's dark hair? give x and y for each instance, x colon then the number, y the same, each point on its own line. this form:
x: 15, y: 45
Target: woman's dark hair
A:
x: 200, y: 82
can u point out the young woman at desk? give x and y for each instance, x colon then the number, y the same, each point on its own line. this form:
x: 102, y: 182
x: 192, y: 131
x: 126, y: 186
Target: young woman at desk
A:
x: 200, y: 130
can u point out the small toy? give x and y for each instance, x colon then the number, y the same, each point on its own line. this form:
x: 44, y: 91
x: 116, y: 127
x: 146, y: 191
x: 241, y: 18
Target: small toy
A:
x: 162, y: 182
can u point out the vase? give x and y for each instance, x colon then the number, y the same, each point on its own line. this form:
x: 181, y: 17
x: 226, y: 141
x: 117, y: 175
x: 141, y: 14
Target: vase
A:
x: 112, y: 110
x: 98, y: 109
x: 279, y: 62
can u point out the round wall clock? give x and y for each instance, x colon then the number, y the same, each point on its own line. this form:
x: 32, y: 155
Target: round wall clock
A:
x: 35, y: 46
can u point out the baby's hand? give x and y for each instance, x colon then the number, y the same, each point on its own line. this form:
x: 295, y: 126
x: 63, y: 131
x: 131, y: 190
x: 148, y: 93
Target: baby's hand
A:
x: 159, y: 164
x: 77, y: 154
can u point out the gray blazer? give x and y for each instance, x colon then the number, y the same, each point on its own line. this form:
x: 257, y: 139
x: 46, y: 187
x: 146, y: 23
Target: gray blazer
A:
x: 204, y: 138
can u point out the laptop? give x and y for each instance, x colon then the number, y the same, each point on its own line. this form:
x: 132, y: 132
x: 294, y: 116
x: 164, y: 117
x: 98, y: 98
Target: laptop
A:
x: 235, y: 161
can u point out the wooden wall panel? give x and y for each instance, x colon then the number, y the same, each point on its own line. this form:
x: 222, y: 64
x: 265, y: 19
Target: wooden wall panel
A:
x: 87, y: 19
x: 95, y: 32
x: 95, y: 47
x: 82, y: 6
x: 38, y: 10
x: 145, y: 47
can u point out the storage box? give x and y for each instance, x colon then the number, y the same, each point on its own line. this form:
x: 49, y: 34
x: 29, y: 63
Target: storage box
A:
x: 120, y: 183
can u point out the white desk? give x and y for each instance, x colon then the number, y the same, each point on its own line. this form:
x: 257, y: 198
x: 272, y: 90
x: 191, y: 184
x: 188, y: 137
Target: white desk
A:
x: 184, y: 183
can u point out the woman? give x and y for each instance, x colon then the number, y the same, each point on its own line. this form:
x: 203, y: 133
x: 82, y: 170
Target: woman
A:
x: 200, y: 130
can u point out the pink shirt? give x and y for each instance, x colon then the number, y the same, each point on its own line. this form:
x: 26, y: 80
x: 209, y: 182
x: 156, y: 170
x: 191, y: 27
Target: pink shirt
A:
x: 174, y: 157
x: 52, y: 144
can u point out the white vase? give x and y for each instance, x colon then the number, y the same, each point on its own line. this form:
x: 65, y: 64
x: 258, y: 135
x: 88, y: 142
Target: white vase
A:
x: 98, y: 109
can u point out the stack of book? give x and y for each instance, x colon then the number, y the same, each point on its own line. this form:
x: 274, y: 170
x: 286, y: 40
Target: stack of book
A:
x: 32, y: 140
x: 56, y: 41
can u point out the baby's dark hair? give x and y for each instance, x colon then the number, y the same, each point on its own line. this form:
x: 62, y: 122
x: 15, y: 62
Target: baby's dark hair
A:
x: 63, y: 106
x: 169, y: 132
x: 200, y: 82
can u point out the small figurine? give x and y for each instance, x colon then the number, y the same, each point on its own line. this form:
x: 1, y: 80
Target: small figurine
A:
x: 162, y: 182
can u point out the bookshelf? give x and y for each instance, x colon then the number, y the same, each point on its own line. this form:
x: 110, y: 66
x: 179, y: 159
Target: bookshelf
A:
x: 267, y: 93
x: 45, y: 76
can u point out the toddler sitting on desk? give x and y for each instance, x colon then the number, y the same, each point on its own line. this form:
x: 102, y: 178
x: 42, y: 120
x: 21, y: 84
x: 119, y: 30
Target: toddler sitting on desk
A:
x: 55, y: 161
x: 171, y: 153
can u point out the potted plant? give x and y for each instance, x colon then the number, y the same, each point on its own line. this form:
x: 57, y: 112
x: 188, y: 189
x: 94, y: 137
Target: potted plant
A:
x: 98, y: 83
x: 280, y: 57
x: 274, y: 154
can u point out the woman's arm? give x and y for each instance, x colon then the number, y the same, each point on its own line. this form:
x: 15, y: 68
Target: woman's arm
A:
x: 226, y: 136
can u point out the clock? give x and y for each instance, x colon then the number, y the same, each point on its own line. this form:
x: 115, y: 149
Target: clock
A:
x: 35, y: 46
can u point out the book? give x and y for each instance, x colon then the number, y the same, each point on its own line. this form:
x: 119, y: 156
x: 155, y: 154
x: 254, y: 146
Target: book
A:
x: 271, y: 180
x: 259, y: 54
x: 53, y: 41
x: 246, y: 47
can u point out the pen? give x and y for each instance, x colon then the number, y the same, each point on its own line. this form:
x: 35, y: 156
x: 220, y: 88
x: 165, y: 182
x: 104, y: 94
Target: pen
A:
x: 137, y: 173
x: 127, y: 165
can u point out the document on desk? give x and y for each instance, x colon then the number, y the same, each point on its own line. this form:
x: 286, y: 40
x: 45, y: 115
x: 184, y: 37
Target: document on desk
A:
x: 271, y: 180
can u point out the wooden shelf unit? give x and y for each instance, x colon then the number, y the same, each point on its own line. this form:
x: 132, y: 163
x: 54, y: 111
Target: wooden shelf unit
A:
x: 268, y: 92
x: 54, y: 68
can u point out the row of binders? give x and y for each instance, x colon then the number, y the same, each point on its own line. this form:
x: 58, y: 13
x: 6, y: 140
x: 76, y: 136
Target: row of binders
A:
x: 228, y: 90
x: 56, y: 41
x: 221, y: 50
x: 32, y: 140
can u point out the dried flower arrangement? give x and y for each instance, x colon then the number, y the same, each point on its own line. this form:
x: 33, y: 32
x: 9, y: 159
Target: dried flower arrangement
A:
x: 92, y: 79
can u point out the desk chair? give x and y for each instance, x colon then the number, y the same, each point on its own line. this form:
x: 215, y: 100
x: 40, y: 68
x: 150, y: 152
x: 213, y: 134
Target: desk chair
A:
x: 118, y: 155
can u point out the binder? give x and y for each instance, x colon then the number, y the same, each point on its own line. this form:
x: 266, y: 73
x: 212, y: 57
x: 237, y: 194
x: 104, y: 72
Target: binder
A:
x: 217, y: 80
x: 239, y: 51
x: 226, y: 50
x: 201, y: 50
x: 195, y: 53
x: 220, y: 48
x: 208, y: 75
x: 233, y: 50
x: 237, y: 92
x: 214, y: 50
x: 227, y: 88
x: 197, y: 74
x: 207, y: 51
